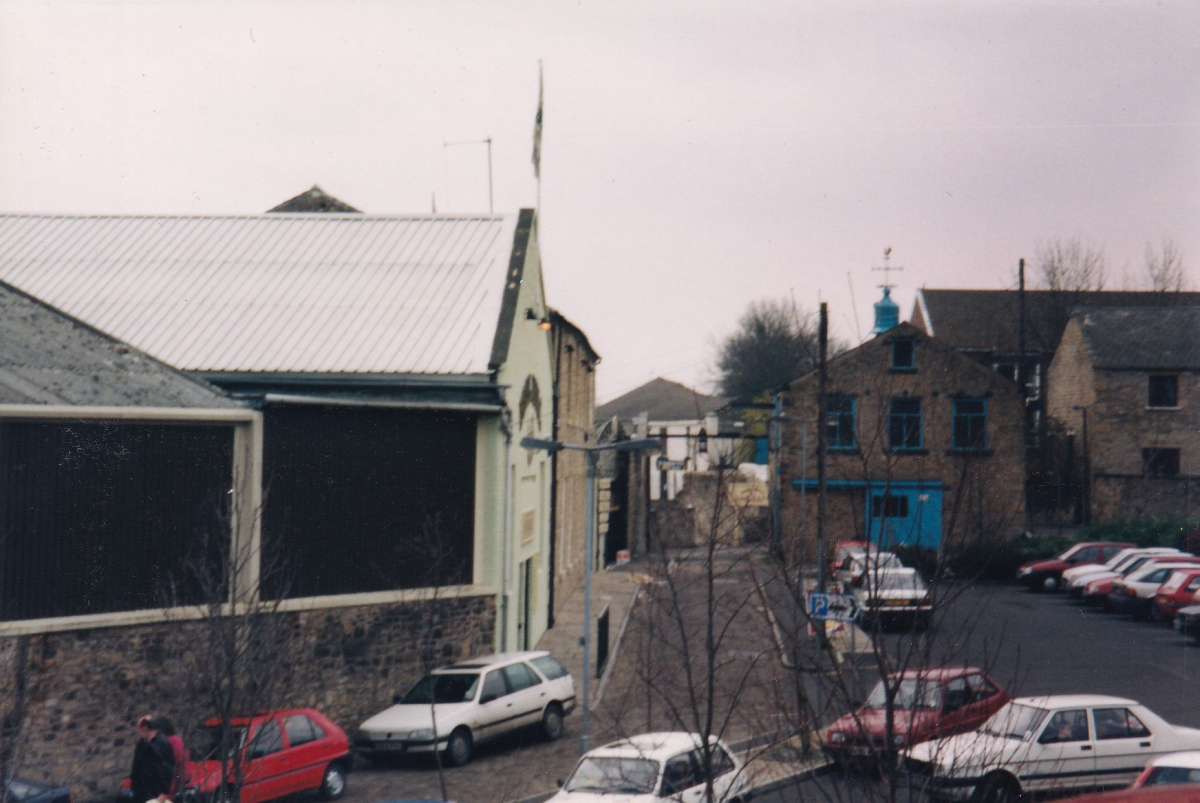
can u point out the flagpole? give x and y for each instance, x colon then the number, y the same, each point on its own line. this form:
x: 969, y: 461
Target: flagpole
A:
x: 537, y: 139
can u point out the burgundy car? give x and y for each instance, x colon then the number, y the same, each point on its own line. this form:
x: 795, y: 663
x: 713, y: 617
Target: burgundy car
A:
x: 928, y: 704
x: 280, y: 753
x: 1046, y: 575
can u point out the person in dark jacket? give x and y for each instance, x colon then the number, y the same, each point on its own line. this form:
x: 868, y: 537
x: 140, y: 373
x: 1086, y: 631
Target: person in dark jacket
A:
x: 179, y: 774
x: 153, y: 763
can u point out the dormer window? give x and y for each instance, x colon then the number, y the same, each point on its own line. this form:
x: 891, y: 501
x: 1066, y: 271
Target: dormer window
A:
x: 903, y: 354
x: 1164, y: 390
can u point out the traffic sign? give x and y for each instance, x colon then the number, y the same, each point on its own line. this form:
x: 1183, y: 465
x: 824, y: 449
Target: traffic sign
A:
x: 838, y: 607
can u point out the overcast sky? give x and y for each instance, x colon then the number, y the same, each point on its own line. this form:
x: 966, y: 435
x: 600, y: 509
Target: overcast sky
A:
x: 697, y: 155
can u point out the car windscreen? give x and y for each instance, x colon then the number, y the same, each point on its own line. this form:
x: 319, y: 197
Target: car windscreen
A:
x: 1175, y: 581
x: 1014, y: 721
x: 887, y: 581
x: 211, y: 742
x: 613, y: 775
x: 456, y: 687
x: 912, y: 693
x: 1171, y: 776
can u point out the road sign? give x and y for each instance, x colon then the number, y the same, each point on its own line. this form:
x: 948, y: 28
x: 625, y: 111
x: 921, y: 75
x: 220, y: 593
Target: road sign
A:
x: 838, y: 607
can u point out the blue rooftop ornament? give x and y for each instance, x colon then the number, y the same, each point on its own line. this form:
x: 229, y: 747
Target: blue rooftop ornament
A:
x: 887, y: 313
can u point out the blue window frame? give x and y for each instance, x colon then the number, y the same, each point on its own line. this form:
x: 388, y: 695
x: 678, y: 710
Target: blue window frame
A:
x: 903, y: 354
x: 904, y: 424
x: 839, y: 422
x: 970, y: 425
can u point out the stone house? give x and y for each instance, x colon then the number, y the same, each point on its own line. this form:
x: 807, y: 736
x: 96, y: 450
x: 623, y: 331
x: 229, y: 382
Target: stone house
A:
x: 924, y: 447
x: 1125, y: 382
x: 575, y: 364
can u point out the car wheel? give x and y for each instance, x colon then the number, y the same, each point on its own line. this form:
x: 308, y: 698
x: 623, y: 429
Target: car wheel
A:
x: 458, y: 749
x: 1050, y: 583
x: 552, y: 722
x: 333, y: 783
x: 998, y: 787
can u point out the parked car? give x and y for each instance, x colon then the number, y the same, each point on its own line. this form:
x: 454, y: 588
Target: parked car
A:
x: 1048, y: 744
x: 1134, y: 595
x: 1177, y: 593
x: 1097, y: 590
x: 277, y: 753
x: 1187, y: 621
x: 1075, y: 580
x: 1174, y: 769
x: 19, y: 790
x: 653, y: 767
x: 1070, y: 574
x: 843, y: 550
x: 1046, y: 575
x: 851, y: 570
x: 1151, y: 794
x: 469, y: 703
x: 889, y: 596
x: 926, y: 704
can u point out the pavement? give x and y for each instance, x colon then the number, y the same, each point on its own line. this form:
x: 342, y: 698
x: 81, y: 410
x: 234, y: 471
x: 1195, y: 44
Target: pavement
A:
x: 646, y: 684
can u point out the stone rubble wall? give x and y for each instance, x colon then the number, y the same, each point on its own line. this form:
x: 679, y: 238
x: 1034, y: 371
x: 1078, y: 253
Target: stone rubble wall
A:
x: 81, y: 691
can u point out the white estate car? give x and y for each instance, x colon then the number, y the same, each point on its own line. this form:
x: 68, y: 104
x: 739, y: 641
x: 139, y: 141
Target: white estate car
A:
x: 653, y: 766
x: 889, y: 595
x: 470, y: 702
x: 1056, y: 743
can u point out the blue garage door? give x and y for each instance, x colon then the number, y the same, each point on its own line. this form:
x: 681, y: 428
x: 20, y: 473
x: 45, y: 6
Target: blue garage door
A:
x: 905, y: 514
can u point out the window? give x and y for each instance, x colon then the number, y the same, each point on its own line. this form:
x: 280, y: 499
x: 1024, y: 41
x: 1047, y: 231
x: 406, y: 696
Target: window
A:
x: 904, y: 424
x: 678, y: 774
x: 981, y: 687
x: 970, y: 424
x: 1066, y: 726
x: 301, y: 730
x: 1160, y: 462
x: 1164, y: 391
x: 957, y: 694
x: 1088, y: 554
x: 549, y: 667
x: 520, y: 677
x: 903, y: 356
x: 839, y: 422
x: 268, y: 740
x: 1118, y: 723
x: 493, y: 687
x: 721, y: 762
x: 888, y: 506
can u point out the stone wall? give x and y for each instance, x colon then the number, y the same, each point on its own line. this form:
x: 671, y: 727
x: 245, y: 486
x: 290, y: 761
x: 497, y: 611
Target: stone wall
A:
x: 82, y: 690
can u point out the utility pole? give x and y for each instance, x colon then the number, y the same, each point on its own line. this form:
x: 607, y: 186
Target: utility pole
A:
x: 822, y: 436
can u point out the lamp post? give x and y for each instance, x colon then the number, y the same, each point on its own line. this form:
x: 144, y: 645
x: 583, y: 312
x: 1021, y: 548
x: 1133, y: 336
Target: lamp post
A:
x: 590, y: 452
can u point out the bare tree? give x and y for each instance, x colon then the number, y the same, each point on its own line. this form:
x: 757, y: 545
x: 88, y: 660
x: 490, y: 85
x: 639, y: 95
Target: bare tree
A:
x: 1070, y: 266
x: 774, y: 343
x: 1164, y: 268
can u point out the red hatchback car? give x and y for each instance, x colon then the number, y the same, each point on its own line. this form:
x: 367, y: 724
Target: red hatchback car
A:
x: 928, y: 704
x: 1177, y: 593
x: 281, y: 753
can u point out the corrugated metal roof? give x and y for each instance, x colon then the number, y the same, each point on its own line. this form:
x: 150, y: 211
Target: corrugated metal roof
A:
x: 275, y: 292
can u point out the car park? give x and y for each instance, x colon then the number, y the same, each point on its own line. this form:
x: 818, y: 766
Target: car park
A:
x: 1076, y: 581
x: 851, y: 570
x: 1046, y: 575
x: 1051, y: 744
x: 1177, y: 593
x: 276, y: 754
x: 1134, y: 595
x: 926, y: 704
x: 891, y: 596
x: 460, y: 706
x: 651, y: 767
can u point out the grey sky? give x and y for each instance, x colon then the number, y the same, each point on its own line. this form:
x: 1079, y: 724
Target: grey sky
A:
x: 697, y: 155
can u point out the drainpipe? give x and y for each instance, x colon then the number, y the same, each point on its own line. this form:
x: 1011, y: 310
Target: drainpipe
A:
x: 506, y: 424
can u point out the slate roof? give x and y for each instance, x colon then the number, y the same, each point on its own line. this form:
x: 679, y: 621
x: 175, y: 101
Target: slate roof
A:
x: 303, y: 293
x: 47, y: 357
x: 314, y: 200
x: 664, y: 400
x: 1125, y: 338
x: 989, y: 320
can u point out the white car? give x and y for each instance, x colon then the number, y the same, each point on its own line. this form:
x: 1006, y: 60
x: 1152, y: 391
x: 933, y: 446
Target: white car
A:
x: 1057, y: 743
x: 889, y: 595
x: 470, y: 702
x: 1134, y: 595
x: 853, y: 568
x: 655, y: 766
x: 1075, y: 581
x: 1172, y: 769
x: 1070, y: 574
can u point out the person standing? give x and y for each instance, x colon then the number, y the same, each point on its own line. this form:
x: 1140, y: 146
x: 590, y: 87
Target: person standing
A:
x: 179, y: 753
x: 153, y: 763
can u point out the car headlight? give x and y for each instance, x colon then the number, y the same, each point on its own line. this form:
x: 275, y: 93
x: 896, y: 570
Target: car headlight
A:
x: 837, y: 737
x: 1025, y: 571
x: 422, y: 735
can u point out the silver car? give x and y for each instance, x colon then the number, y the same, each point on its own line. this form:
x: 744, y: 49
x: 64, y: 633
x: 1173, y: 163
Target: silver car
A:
x: 454, y: 708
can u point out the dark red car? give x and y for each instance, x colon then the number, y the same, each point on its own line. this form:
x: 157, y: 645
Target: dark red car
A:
x: 1046, y: 575
x: 280, y: 753
x: 928, y: 704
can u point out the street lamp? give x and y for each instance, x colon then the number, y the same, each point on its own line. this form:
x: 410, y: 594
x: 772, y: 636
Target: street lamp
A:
x: 590, y: 452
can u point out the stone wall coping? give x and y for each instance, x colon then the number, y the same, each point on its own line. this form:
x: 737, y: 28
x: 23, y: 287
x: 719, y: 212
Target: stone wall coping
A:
x: 194, y: 613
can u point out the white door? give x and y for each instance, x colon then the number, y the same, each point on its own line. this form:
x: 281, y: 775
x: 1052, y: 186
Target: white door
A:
x: 1064, y: 755
x: 1123, y: 746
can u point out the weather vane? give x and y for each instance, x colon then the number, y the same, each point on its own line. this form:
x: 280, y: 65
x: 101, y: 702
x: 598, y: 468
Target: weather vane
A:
x: 887, y: 267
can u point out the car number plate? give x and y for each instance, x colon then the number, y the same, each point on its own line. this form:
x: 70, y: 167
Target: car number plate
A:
x: 860, y: 751
x: 391, y: 746
x: 897, y: 602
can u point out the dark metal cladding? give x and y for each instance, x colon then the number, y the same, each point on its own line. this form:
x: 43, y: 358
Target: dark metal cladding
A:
x: 105, y: 517
x: 366, y: 499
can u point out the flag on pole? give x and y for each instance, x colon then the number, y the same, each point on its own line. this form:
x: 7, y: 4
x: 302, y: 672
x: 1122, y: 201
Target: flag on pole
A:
x: 537, y: 129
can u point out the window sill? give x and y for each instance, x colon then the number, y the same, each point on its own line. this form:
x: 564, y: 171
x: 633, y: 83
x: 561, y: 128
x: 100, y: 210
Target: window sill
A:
x: 849, y: 450
x: 895, y: 370
x: 896, y: 451
x: 1152, y: 408
x: 971, y: 452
